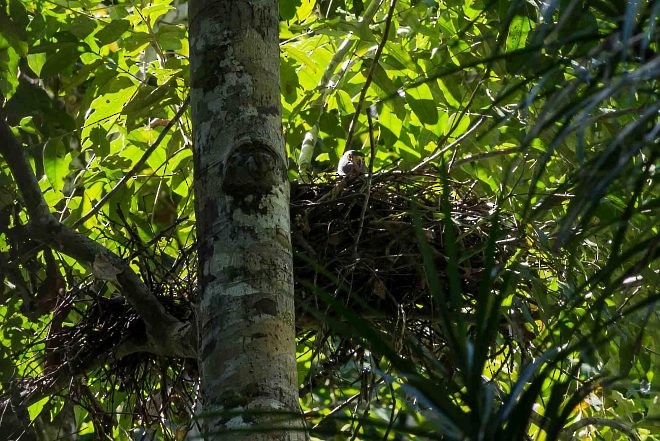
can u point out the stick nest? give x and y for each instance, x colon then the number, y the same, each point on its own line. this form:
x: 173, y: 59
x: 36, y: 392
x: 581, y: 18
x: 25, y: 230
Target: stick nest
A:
x: 365, y: 242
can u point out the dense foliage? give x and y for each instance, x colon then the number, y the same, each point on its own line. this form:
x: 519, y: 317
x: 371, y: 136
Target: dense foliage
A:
x: 545, y: 110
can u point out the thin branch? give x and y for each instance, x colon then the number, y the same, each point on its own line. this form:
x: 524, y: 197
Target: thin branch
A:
x: 595, y: 421
x: 484, y: 155
x: 372, y: 144
x: 26, y: 181
x: 370, y: 74
x: 338, y: 408
x: 136, y: 168
x: 437, y: 154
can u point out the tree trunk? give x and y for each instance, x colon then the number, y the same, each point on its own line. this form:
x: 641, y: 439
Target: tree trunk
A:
x: 246, y: 308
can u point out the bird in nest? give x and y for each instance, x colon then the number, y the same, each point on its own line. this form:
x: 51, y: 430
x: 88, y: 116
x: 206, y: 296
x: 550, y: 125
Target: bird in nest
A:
x: 351, y: 164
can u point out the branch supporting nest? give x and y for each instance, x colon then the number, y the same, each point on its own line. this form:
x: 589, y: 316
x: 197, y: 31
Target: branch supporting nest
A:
x: 163, y: 328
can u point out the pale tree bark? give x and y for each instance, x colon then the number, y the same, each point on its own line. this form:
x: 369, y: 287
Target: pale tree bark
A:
x: 246, y: 308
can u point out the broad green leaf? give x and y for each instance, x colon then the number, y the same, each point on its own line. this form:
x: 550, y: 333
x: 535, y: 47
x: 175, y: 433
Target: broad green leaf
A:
x: 289, y: 83
x: 56, y: 163
x: 420, y: 99
x: 400, y: 55
x: 135, y: 42
x: 176, y: 160
x: 35, y: 409
x: 112, y: 31
x: 344, y: 102
x: 170, y: 37
x: 450, y: 94
x: 383, y: 82
x: 107, y: 107
x: 9, y: 60
x: 12, y: 28
x: 154, y: 11
x: 390, y: 121
x: 517, y: 37
x: 288, y: 8
x: 149, y: 102
x: 60, y: 61
x: 300, y: 57
x: 98, y: 135
x: 94, y: 191
x: 305, y: 9
x: 36, y: 62
x: 82, y: 26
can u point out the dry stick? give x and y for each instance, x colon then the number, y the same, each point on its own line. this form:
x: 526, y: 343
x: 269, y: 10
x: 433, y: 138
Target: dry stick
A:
x: 372, y: 145
x: 338, y: 408
x: 595, y: 421
x: 369, y: 79
x: 138, y: 165
x: 365, y: 413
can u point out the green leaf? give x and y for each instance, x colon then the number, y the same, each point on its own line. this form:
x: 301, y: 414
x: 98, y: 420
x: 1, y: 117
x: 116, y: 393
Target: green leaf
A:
x: 289, y: 83
x: 99, y: 137
x: 36, y: 62
x: 82, y: 26
x: 301, y: 57
x: 305, y: 9
x: 135, y: 42
x: 424, y: 109
x: 344, y: 102
x: 108, y: 106
x: 112, y: 31
x: 450, y: 94
x: 56, y: 163
x: 420, y: 99
x: 154, y: 11
x: 35, y: 409
x: 9, y: 59
x: 58, y: 62
x: 171, y: 37
x: 288, y: 8
x: 13, y: 27
x: 149, y: 101
x: 390, y: 121
x: 382, y: 80
x: 517, y: 37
